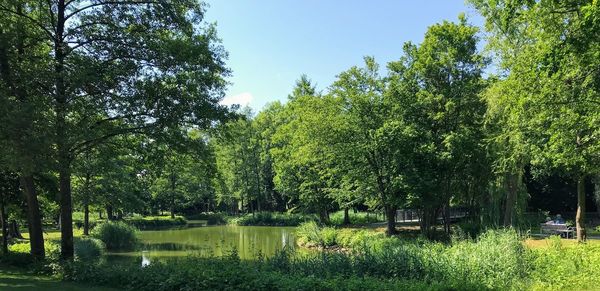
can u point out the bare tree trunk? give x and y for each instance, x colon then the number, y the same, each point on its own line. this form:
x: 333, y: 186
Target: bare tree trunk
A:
x: 66, y: 214
x: 580, y: 218
x: 86, y: 219
x: 13, y: 230
x: 86, y: 206
x: 34, y: 218
x: 4, y: 229
x: 109, y: 213
x: 173, y: 187
x: 346, y: 216
x: 324, y: 216
x: 447, y: 218
x: 390, y: 213
x: 512, y: 185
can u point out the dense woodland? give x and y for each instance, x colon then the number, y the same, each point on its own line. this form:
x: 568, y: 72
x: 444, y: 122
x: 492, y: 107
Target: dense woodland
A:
x: 112, y: 107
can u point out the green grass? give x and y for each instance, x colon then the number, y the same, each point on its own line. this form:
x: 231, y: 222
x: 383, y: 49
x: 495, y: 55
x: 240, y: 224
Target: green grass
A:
x: 19, y: 280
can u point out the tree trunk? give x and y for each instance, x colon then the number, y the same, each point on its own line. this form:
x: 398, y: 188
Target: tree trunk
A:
x: 512, y: 185
x: 4, y: 229
x: 13, y: 230
x: 346, y: 216
x: 66, y: 213
x: 597, y: 192
x: 86, y: 206
x: 109, y: 213
x: 447, y: 218
x: 580, y: 218
x: 390, y: 213
x: 428, y: 219
x: 324, y: 216
x: 173, y: 187
x: 34, y: 218
x: 86, y: 219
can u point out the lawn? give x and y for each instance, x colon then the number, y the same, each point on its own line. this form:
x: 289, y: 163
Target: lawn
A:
x: 17, y: 279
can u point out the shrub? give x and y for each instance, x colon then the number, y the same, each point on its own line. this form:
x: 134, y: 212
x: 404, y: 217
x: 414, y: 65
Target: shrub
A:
x: 211, y: 218
x: 337, y: 218
x: 19, y: 254
x: 271, y: 219
x: 88, y: 248
x: 155, y: 222
x: 116, y: 235
x: 227, y: 274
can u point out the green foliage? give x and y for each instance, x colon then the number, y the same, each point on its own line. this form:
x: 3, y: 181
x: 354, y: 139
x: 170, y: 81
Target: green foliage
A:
x: 310, y: 234
x: 20, y: 254
x: 210, y: 217
x: 565, y: 267
x: 337, y: 218
x: 496, y: 260
x: 116, y: 235
x: 155, y: 222
x: 88, y: 248
x: 229, y: 274
x: 271, y: 219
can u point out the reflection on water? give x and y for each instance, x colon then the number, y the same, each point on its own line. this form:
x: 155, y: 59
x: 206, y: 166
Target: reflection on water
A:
x: 248, y: 241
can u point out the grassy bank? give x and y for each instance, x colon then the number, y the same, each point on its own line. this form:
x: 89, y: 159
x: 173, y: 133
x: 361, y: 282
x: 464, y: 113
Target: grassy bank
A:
x: 293, y: 219
x: 271, y: 219
x: 20, y: 279
x: 140, y: 222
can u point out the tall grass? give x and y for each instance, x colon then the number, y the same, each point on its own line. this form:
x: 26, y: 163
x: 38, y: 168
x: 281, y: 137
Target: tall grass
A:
x: 88, y: 248
x: 116, y: 235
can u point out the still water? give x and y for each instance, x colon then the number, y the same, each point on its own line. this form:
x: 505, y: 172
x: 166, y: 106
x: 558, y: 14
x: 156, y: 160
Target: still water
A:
x: 248, y: 241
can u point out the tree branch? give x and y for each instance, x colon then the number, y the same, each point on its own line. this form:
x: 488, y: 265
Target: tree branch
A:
x: 32, y: 20
x: 79, y: 10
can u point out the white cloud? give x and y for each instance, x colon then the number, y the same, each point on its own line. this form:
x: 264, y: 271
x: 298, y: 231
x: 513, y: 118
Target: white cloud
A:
x: 242, y: 99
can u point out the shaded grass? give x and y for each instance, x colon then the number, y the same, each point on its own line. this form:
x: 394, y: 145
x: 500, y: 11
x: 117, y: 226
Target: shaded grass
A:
x: 18, y: 279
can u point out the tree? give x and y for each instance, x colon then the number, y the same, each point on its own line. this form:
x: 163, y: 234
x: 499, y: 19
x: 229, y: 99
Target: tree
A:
x: 441, y: 80
x: 24, y: 108
x: 9, y: 191
x: 552, y: 69
x: 96, y: 46
x: 377, y: 142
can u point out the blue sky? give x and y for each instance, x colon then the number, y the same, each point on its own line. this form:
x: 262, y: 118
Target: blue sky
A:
x: 272, y: 42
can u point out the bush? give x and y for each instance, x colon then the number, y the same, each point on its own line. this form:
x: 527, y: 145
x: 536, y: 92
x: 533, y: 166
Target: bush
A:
x: 227, y: 274
x: 116, y: 235
x: 156, y: 222
x: 337, y: 218
x: 88, y: 248
x: 271, y: 219
x: 211, y: 218
x: 79, y: 223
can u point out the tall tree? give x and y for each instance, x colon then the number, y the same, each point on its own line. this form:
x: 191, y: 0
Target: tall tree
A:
x: 378, y: 142
x: 442, y: 81
x: 548, y: 51
x: 24, y: 106
x: 96, y: 48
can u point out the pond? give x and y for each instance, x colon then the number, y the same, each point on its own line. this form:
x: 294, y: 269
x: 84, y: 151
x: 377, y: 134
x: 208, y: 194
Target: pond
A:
x: 248, y: 241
